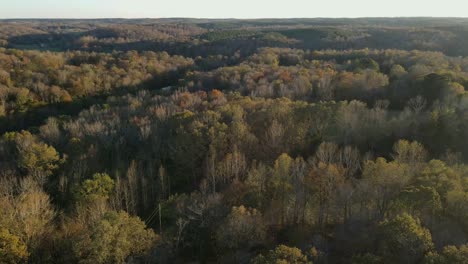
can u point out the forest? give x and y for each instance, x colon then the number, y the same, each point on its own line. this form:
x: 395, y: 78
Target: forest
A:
x: 267, y: 141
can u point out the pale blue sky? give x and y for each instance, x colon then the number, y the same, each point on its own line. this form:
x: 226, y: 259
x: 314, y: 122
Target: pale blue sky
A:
x: 229, y: 8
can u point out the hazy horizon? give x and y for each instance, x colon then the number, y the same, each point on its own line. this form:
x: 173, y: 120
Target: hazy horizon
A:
x: 240, y: 131
x: 241, y: 9
x: 231, y: 18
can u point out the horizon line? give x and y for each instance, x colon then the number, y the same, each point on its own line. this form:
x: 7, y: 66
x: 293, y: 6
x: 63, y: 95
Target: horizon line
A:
x: 226, y: 18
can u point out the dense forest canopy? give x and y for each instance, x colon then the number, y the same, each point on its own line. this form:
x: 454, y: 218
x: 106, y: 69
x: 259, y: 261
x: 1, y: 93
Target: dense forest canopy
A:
x: 234, y: 141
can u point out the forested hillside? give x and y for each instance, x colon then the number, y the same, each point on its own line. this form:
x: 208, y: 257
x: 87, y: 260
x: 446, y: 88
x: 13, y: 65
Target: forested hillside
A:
x: 234, y: 141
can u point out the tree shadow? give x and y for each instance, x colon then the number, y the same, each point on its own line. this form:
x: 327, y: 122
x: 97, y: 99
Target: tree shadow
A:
x: 37, y: 115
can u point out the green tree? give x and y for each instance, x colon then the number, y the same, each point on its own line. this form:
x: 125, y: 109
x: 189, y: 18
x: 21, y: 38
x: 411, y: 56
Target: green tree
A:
x: 114, y: 238
x: 30, y: 155
x: 93, y: 196
x: 281, y: 183
x: 457, y: 205
x: 438, y: 175
x: 243, y: 228
x: 381, y: 183
x: 397, y: 72
x: 282, y: 255
x: 100, y: 186
x: 403, y: 239
x: 12, y: 249
x: 449, y: 255
x: 409, y: 152
x: 422, y: 200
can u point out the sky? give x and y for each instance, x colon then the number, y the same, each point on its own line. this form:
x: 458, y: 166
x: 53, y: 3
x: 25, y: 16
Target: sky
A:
x: 230, y: 8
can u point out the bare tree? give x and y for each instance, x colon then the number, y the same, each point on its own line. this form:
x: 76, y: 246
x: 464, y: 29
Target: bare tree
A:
x: 327, y: 153
x: 417, y: 104
x: 350, y: 158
